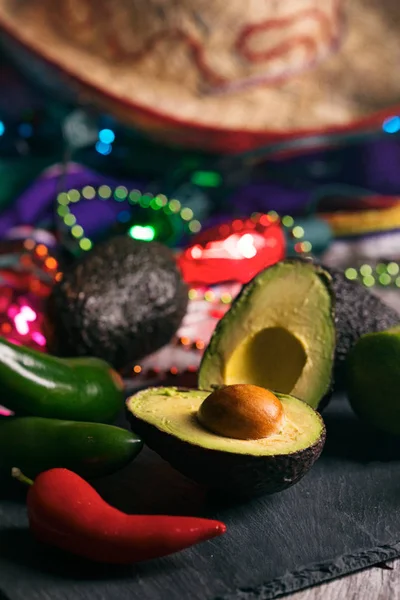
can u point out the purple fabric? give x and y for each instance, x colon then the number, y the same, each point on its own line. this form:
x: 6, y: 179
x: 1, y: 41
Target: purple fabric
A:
x: 250, y: 198
x: 286, y: 186
x: 37, y: 202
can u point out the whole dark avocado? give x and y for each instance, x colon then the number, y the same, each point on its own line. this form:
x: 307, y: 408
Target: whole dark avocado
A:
x: 124, y: 300
x: 242, y: 441
x: 357, y: 312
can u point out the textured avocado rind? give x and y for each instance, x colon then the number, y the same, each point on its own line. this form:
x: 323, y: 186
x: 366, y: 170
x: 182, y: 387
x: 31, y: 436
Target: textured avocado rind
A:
x: 124, y: 300
x: 358, y: 312
x: 238, y: 476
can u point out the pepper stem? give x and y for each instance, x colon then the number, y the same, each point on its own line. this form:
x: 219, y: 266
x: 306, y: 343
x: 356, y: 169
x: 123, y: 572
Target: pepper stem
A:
x: 17, y: 474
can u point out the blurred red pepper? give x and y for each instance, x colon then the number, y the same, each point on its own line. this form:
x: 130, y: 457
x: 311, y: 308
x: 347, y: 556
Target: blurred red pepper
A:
x: 66, y: 512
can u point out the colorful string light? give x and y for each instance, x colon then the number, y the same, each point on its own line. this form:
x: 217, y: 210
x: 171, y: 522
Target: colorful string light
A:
x: 207, y: 307
x: 382, y: 274
x: 131, y: 198
x: 294, y: 231
x: 210, y: 296
x: 27, y: 275
x: 191, y: 348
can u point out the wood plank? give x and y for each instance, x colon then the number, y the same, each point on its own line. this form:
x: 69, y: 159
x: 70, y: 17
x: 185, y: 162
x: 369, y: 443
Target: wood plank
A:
x: 372, y: 584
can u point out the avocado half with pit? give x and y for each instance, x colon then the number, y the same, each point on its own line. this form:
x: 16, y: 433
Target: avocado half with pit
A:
x: 201, y: 435
x: 279, y: 334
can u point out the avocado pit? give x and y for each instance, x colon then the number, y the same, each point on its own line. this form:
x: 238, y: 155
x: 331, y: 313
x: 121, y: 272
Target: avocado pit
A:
x: 243, y: 412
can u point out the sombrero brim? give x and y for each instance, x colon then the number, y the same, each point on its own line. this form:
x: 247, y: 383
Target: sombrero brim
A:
x: 221, y: 123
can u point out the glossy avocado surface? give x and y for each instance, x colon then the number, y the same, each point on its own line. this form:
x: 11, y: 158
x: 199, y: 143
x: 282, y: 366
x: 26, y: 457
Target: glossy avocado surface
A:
x: 124, y: 300
x: 278, y: 334
x: 166, y: 420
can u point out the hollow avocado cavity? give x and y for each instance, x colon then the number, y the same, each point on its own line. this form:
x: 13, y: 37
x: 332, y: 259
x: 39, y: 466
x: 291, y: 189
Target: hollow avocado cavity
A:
x: 273, y: 358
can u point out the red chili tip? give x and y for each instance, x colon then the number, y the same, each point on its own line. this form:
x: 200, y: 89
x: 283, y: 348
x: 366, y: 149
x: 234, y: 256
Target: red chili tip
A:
x: 221, y: 528
x: 206, y: 529
x: 217, y: 529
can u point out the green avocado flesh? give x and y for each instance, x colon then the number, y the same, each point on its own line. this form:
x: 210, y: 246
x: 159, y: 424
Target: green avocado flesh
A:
x: 245, y: 366
x: 373, y: 380
x: 279, y: 334
x: 167, y: 421
x: 176, y: 415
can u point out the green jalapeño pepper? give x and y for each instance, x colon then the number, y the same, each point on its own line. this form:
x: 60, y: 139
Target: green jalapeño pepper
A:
x: 76, y: 389
x: 88, y: 449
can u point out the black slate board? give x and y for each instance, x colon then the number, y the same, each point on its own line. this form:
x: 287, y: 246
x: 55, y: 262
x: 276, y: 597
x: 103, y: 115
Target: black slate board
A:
x: 343, y: 516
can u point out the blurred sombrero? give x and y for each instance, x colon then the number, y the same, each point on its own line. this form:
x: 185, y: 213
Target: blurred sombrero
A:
x: 222, y: 75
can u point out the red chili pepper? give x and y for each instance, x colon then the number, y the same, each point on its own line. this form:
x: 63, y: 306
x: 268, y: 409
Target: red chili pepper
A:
x: 66, y: 512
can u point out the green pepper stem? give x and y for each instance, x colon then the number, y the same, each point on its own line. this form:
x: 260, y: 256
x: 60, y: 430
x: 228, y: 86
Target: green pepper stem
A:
x: 17, y: 474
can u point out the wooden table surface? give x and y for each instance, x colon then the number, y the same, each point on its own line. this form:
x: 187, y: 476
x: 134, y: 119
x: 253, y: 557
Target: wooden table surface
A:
x: 377, y: 583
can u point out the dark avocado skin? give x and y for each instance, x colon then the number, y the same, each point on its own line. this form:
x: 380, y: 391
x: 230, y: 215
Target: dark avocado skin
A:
x: 124, y: 300
x: 357, y: 312
x: 236, y: 476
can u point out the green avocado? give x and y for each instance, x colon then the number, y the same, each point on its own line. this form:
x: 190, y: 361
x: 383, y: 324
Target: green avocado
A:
x: 124, y: 300
x: 373, y: 379
x: 167, y: 419
x: 279, y: 334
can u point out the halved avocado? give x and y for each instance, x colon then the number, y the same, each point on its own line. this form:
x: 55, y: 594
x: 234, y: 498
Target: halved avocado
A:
x: 168, y: 420
x: 279, y: 334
